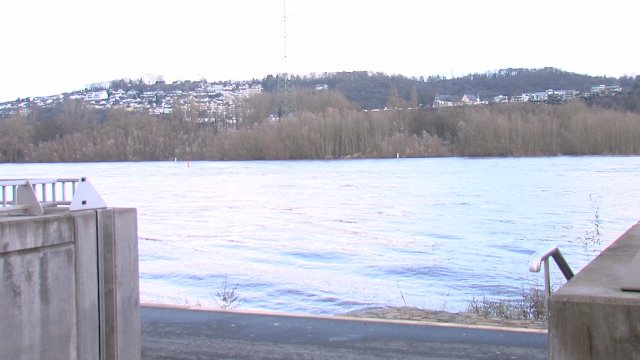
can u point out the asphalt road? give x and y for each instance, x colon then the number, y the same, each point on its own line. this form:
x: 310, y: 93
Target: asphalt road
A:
x: 192, y: 334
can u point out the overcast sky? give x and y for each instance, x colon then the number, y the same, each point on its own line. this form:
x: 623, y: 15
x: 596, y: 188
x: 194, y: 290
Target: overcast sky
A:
x: 54, y: 46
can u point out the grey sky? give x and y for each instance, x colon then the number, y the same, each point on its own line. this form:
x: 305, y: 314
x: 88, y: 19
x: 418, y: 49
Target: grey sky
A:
x: 52, y: 46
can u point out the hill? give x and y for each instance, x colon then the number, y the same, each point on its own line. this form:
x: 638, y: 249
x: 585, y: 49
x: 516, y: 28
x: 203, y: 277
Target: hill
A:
x: 202, y: 121
x: 373, y: 90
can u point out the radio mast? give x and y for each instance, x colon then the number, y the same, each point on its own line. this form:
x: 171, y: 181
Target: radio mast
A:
x: 285, y: 82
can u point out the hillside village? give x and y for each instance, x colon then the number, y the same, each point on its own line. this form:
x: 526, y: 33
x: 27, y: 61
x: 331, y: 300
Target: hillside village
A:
x: 217, y: 102
x: 205, y: 101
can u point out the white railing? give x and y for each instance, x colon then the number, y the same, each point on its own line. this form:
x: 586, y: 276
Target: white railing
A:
x: 33, y: 196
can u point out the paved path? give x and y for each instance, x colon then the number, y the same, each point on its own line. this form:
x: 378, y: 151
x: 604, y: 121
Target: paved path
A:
x: 191, y: 334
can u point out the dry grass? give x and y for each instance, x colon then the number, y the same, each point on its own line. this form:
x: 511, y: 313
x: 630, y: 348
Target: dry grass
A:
x: 226, y: 296
x: 531, y: 305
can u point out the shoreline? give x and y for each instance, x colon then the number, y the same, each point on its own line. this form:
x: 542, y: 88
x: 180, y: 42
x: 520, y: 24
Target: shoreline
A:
x: 445, y: 317
x: 392, y: 314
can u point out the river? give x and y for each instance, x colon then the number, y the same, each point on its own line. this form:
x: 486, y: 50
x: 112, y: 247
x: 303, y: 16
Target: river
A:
x: 327, y: 237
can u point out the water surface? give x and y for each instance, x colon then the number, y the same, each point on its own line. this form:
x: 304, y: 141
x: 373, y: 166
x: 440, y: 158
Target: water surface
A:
x: 326, y: 237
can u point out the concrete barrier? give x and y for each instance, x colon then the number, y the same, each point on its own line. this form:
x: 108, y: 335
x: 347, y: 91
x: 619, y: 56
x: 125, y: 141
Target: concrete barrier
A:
x: 590, y: 317
x: 69, y: 285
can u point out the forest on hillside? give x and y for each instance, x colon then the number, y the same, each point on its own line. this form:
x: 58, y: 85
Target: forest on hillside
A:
x: 326, y: 125
x: 372, y: 90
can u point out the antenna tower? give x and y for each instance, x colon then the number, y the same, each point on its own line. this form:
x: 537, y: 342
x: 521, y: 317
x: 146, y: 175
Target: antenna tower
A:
x: 285, y: 82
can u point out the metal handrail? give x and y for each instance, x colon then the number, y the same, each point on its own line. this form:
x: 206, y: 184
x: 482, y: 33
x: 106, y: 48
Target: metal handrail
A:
x: 32, y: 196
x: 537, y: 259
x: 42, y: 188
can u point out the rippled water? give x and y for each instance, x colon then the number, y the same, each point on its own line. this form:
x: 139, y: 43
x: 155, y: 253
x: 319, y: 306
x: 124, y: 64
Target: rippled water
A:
x: 327, y: 237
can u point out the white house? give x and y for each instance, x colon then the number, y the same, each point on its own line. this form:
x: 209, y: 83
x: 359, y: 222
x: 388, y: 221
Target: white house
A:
x: 468, y: 99
x: 96, y: 95
x: 500, y: 99
x: 443, y: 101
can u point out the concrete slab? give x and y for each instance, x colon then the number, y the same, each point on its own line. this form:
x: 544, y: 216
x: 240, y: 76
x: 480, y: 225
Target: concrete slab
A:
x: 590, y: 317
x: 37, y: 287
x: 119, y: 278
x: 19, y: 233
x: 53, y: 269
x: 87, y: 281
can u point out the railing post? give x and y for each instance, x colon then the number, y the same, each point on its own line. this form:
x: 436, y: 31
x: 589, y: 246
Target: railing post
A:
x: 547, y: 287
x: 547, y: 278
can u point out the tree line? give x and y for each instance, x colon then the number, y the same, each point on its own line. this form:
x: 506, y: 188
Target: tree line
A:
x: 325, y: 125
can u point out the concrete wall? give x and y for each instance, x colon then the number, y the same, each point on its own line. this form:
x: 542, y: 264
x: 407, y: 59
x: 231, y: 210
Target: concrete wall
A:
x: 69, y: 286
x: 590, y: 317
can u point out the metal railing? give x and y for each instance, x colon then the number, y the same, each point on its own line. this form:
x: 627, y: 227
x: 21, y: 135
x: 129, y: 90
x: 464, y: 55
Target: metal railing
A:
x: 538, y: 259
x: 32, y: 196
